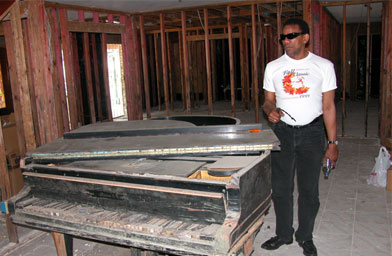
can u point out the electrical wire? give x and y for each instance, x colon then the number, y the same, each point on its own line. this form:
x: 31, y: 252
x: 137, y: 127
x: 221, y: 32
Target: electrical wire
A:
x: 201, y: 22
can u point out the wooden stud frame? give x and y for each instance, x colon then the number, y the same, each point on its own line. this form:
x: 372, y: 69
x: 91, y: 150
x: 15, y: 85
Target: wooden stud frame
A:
x: 104, y: 39
x: 368, y: 69
x: 164, y: 65
x: 386, y: 89
x: 181, y: 56
x: 145, y: 67
x: 208, y: 60
x: 137, y: 74
x: 88, y: 72
x: 153, y: 71
x: 53, y: 14
x: 69, y: 68
x: 308, y: 17
x: 279, y: 26
x: 231, y: 61
x: 97, y: 79
x: 41, y: 71
x: 186, y: 62
x: 344, y: 67
x: 255, y: 84
x: 157, y: 71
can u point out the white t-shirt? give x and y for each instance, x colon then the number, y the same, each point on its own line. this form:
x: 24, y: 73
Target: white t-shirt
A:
x: 298, y: 86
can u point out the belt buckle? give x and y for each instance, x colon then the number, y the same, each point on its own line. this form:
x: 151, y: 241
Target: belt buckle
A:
x: 298, y: 126
x: 306, y: 125
x: 293, y: 126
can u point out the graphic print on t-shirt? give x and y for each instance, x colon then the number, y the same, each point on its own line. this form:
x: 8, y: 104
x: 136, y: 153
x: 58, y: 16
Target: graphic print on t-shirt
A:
x: 293, y: 83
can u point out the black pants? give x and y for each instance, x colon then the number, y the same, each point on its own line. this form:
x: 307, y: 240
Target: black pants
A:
x: 302, y: 150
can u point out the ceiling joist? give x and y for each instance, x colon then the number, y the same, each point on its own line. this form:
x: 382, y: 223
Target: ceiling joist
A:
x: 355, y: 2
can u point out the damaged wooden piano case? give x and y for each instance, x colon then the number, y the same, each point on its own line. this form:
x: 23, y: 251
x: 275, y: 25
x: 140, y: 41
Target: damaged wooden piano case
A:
x: 158, y: 186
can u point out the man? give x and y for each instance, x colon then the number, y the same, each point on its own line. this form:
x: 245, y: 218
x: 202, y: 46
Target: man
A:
x: 299, y: 99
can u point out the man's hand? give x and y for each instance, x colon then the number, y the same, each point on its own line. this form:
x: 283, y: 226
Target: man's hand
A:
x: 332, y: 153
x: 275, y: 115
x: 270, y: 109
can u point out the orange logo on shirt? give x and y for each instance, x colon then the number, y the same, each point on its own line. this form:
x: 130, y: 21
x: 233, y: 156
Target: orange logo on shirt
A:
x: 288, y: 87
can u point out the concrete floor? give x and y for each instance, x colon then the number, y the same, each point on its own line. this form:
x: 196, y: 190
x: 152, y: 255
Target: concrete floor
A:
x: 354, y: 218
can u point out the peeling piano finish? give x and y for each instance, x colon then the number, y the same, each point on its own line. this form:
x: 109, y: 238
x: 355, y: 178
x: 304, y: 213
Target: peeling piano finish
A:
x: 151, y: 188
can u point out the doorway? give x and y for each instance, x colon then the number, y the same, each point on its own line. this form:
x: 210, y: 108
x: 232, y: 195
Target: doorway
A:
x: 375, y: 61
x: 116, y: 79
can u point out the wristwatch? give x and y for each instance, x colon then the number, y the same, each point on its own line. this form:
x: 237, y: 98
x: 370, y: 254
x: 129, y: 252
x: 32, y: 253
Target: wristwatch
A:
x: 333, y: 142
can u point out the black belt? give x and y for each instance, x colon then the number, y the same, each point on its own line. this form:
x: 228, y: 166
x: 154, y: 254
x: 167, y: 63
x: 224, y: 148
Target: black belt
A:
x: 317, y: 119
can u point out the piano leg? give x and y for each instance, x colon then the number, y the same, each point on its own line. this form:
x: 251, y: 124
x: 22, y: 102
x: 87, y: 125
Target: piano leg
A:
x: 63, y: 243
x: 139, y: 252
x: 151, y: 253
x: 12, y: 231
x: 136, y: 252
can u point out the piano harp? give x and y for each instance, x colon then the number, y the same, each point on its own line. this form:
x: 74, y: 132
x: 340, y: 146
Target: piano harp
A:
x: 158, y: 186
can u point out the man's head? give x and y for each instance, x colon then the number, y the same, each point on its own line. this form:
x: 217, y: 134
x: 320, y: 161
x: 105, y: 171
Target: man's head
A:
x: 295, y: 38
x: 304, y: 27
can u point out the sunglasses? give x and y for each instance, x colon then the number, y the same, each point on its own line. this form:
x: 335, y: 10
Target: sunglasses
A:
x: 290, y: 35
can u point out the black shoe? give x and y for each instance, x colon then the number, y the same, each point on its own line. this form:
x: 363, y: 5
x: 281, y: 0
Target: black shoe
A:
x: 309, y: 248
x: 274, y: 243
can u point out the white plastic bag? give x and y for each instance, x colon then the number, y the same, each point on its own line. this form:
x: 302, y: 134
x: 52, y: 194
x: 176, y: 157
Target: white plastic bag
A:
x: 378, y: 176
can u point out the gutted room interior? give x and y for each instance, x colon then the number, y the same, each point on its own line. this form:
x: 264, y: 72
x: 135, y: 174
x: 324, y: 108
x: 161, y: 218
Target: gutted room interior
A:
x: 66, y: 64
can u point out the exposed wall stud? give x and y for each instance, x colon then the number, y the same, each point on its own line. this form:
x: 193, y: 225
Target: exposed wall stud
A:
x: 344, y: 70
x: 87, y: 70
x: 208, y: 60
x: 255, y: 84
x: 145, y: 66
x: 186, y: 62
x: 164, y: 64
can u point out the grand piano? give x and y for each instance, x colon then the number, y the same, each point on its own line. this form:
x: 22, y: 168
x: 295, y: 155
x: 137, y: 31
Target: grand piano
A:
x: 156, y: 186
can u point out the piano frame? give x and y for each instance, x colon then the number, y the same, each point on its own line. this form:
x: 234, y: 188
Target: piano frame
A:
x: 94, y: 192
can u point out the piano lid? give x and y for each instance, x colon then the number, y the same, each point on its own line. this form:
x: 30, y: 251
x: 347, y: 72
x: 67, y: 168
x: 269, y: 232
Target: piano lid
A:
x: 132, y: 139
x: 126, y: 128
